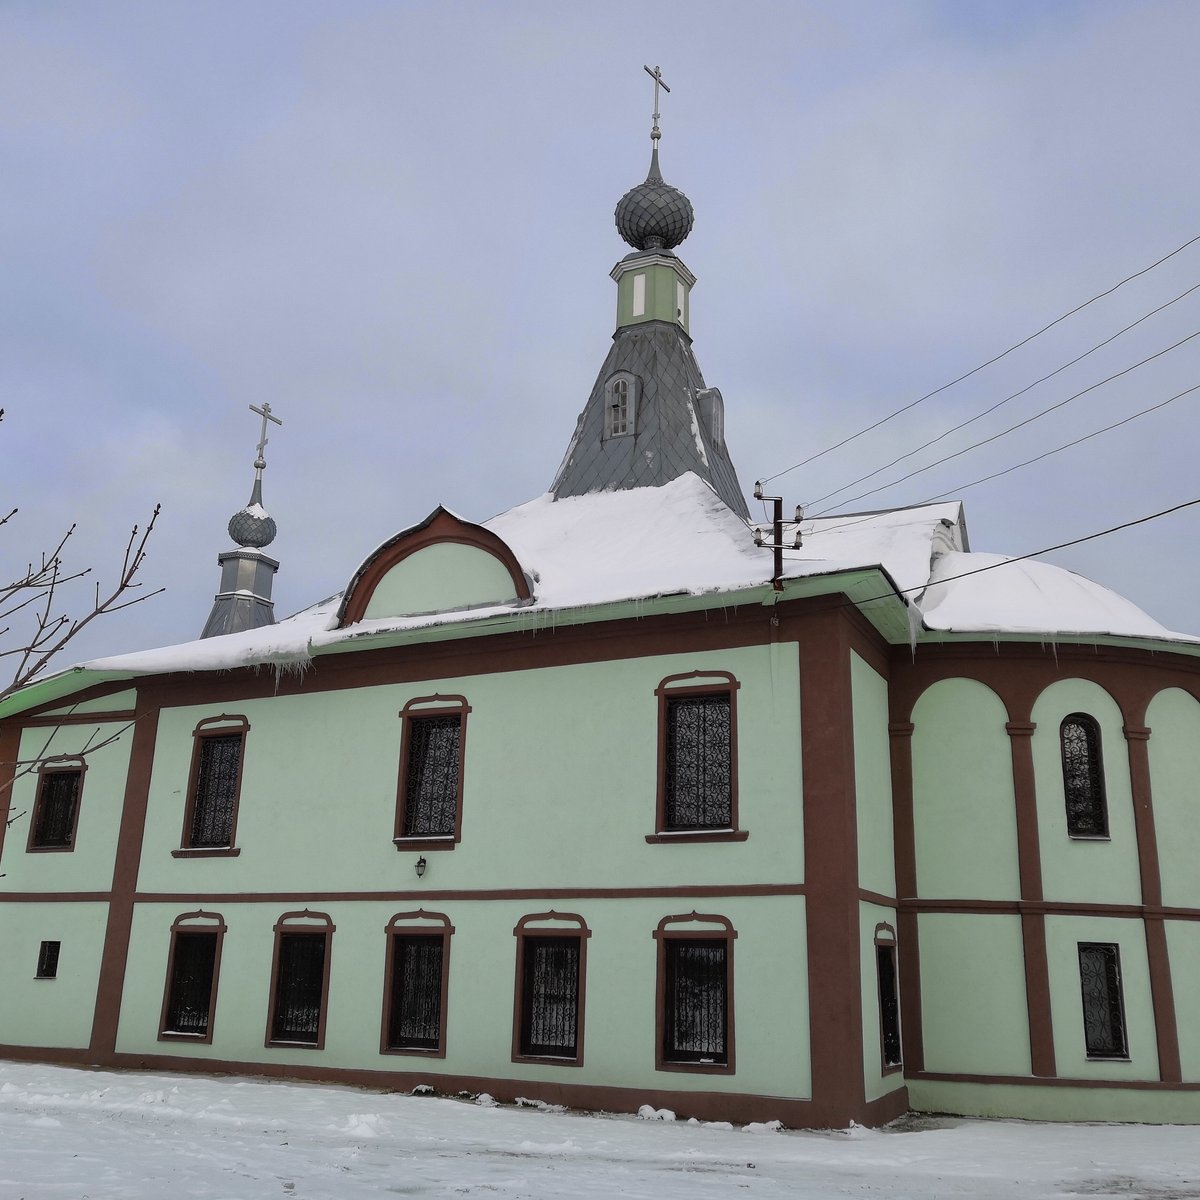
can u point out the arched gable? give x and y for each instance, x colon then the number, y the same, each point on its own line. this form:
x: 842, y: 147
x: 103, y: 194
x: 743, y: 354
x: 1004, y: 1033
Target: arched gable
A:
x: 444, y: 564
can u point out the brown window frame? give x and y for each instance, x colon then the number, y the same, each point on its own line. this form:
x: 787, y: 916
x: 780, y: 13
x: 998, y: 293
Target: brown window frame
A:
x: 665, y: 935
x: 885, y: 938
x: 289, y: 924
x: 211, y: 727
x: 178, y: 926
x: 405, y: 925
x: 60, y: 764
x: 681, y: 687
x: 417, y: 709
x: 1094, y: 737
x: 526, y: 931
x: 48, y: 960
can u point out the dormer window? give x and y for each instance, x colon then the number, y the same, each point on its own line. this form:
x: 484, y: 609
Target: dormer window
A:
x: 620, y: 408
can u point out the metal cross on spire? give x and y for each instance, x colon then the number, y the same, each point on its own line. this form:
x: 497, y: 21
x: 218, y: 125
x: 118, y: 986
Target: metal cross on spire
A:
x: 267, y: 415
x: 659, y: 82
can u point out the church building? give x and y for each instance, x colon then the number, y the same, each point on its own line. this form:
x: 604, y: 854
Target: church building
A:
x: 817, y: 821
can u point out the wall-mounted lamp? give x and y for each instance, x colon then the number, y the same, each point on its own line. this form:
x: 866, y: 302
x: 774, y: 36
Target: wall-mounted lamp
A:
x: 421, y: 865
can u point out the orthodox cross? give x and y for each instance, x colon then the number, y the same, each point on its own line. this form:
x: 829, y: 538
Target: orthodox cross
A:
x: 267, y: 415
x: 659, y: 82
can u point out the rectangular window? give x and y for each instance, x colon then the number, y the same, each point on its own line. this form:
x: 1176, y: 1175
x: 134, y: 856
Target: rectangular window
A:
x: 698, y: 782
x: 550, y: 997
x: 430, y: 790
x: 299, y: 992
x: 190, y: 985
x: 639, y: 295
x: 1103, y: 1010
x: 47, y: 967
x: 217, y: 778
x: 696, y: 1002
x: 431, y: 784
x: 889, y: 1004
x: 56, y: 809
x: 415, y: 1015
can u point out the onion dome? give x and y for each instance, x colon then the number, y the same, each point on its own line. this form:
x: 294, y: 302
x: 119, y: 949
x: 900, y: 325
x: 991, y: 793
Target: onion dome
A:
x: 253, y: 527
x: 654, y: 215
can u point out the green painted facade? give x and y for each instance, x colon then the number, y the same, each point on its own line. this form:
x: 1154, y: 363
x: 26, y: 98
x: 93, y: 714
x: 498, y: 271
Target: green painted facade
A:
x: 653, y: 288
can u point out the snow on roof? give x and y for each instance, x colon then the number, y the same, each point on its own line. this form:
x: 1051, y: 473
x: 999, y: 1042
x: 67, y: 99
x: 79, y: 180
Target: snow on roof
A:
x: 681, y: 539
x: 966, y: 595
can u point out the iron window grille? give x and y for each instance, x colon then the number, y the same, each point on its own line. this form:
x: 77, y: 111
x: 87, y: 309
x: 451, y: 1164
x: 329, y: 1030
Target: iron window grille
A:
x: 214, y: 786
x: 47, y: 966
x: 190, y: 985
x: 416, y: 995
x: 695, y: 995
x: 549, y: 1004
x: 699, y: 762
x: 429, y: 806
x: 1083, y: 777
x: 1103, y: 1007
x: 300, y: 982
x: 56, y: 810
x: 889, y: 1005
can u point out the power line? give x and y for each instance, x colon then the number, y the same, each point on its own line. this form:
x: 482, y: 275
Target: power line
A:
x: 1000, y: 403
x: 962, y: 487
x: 1091, y: 537
x: 1020, y: 424
x: 990, y: 361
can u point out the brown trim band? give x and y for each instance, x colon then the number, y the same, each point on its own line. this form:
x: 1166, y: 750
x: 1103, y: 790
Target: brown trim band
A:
x: 114, y: 717
x: 1065, y: 908
x: 1140, y: 1085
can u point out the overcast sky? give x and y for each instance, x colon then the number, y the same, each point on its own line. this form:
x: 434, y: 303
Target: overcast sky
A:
x: 394, y: 222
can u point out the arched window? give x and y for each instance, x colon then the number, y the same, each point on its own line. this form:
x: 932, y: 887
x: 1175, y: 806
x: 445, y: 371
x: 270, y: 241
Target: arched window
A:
x: 620, y: 406
x: 1083, y: 777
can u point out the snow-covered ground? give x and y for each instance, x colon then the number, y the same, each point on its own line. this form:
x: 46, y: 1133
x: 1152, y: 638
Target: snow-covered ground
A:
x: 67, y: 1134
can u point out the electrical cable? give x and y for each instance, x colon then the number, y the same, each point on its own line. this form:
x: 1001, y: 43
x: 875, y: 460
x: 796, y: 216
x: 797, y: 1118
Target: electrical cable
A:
x: 1091, y: 537
x: 999, y: 403
x: 975, y: 370
x: 962, y: 487
x: 1020, y: 424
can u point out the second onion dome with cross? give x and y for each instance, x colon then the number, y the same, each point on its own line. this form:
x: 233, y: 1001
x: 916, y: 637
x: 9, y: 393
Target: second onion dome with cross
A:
x: 650, y: 416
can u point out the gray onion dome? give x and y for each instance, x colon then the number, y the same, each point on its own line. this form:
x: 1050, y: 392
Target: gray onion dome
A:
x: 252, y: 527
x: 654, y: 215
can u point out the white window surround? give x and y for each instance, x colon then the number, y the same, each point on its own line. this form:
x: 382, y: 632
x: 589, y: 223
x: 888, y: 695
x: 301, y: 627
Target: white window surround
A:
x: 639, y: 295
x: 620, y: 406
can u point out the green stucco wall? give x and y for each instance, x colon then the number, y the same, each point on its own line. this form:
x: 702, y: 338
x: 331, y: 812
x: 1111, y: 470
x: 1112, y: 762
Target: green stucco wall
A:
x: 1063, y: 935
x: 1174, y: 746
x: 872, y: 779
x: 875, y: 1081
x: 89, y: 866
x: 1183, y: 946
x: 619, y: 1021
x: 320, y: 774
x: 50, y: 1012
x: 1053, y: 1103
x: 441, y: 578
x: 1103, y: 871
x: 973, y: 994
x: 963, y: 794
x: 661, y: 296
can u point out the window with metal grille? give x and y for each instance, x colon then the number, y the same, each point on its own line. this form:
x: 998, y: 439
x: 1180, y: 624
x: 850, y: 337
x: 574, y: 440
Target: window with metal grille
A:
x: 299, y: 988
x: 432, y: 775
x: 1083, y: 777
x: 550, y: 996
x: 889, y: 1004
x: 56, y: 809
x: 698, y: 784
x: 190, y: 990
x: 47, y: 967
x: 696, y: 1020
x: 415, y: 1016
x: 214, y: 799
x: 1103, y: 1010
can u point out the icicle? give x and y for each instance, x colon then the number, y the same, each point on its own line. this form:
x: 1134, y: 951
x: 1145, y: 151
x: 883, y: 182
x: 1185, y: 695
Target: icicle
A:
x: 914, y: 625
